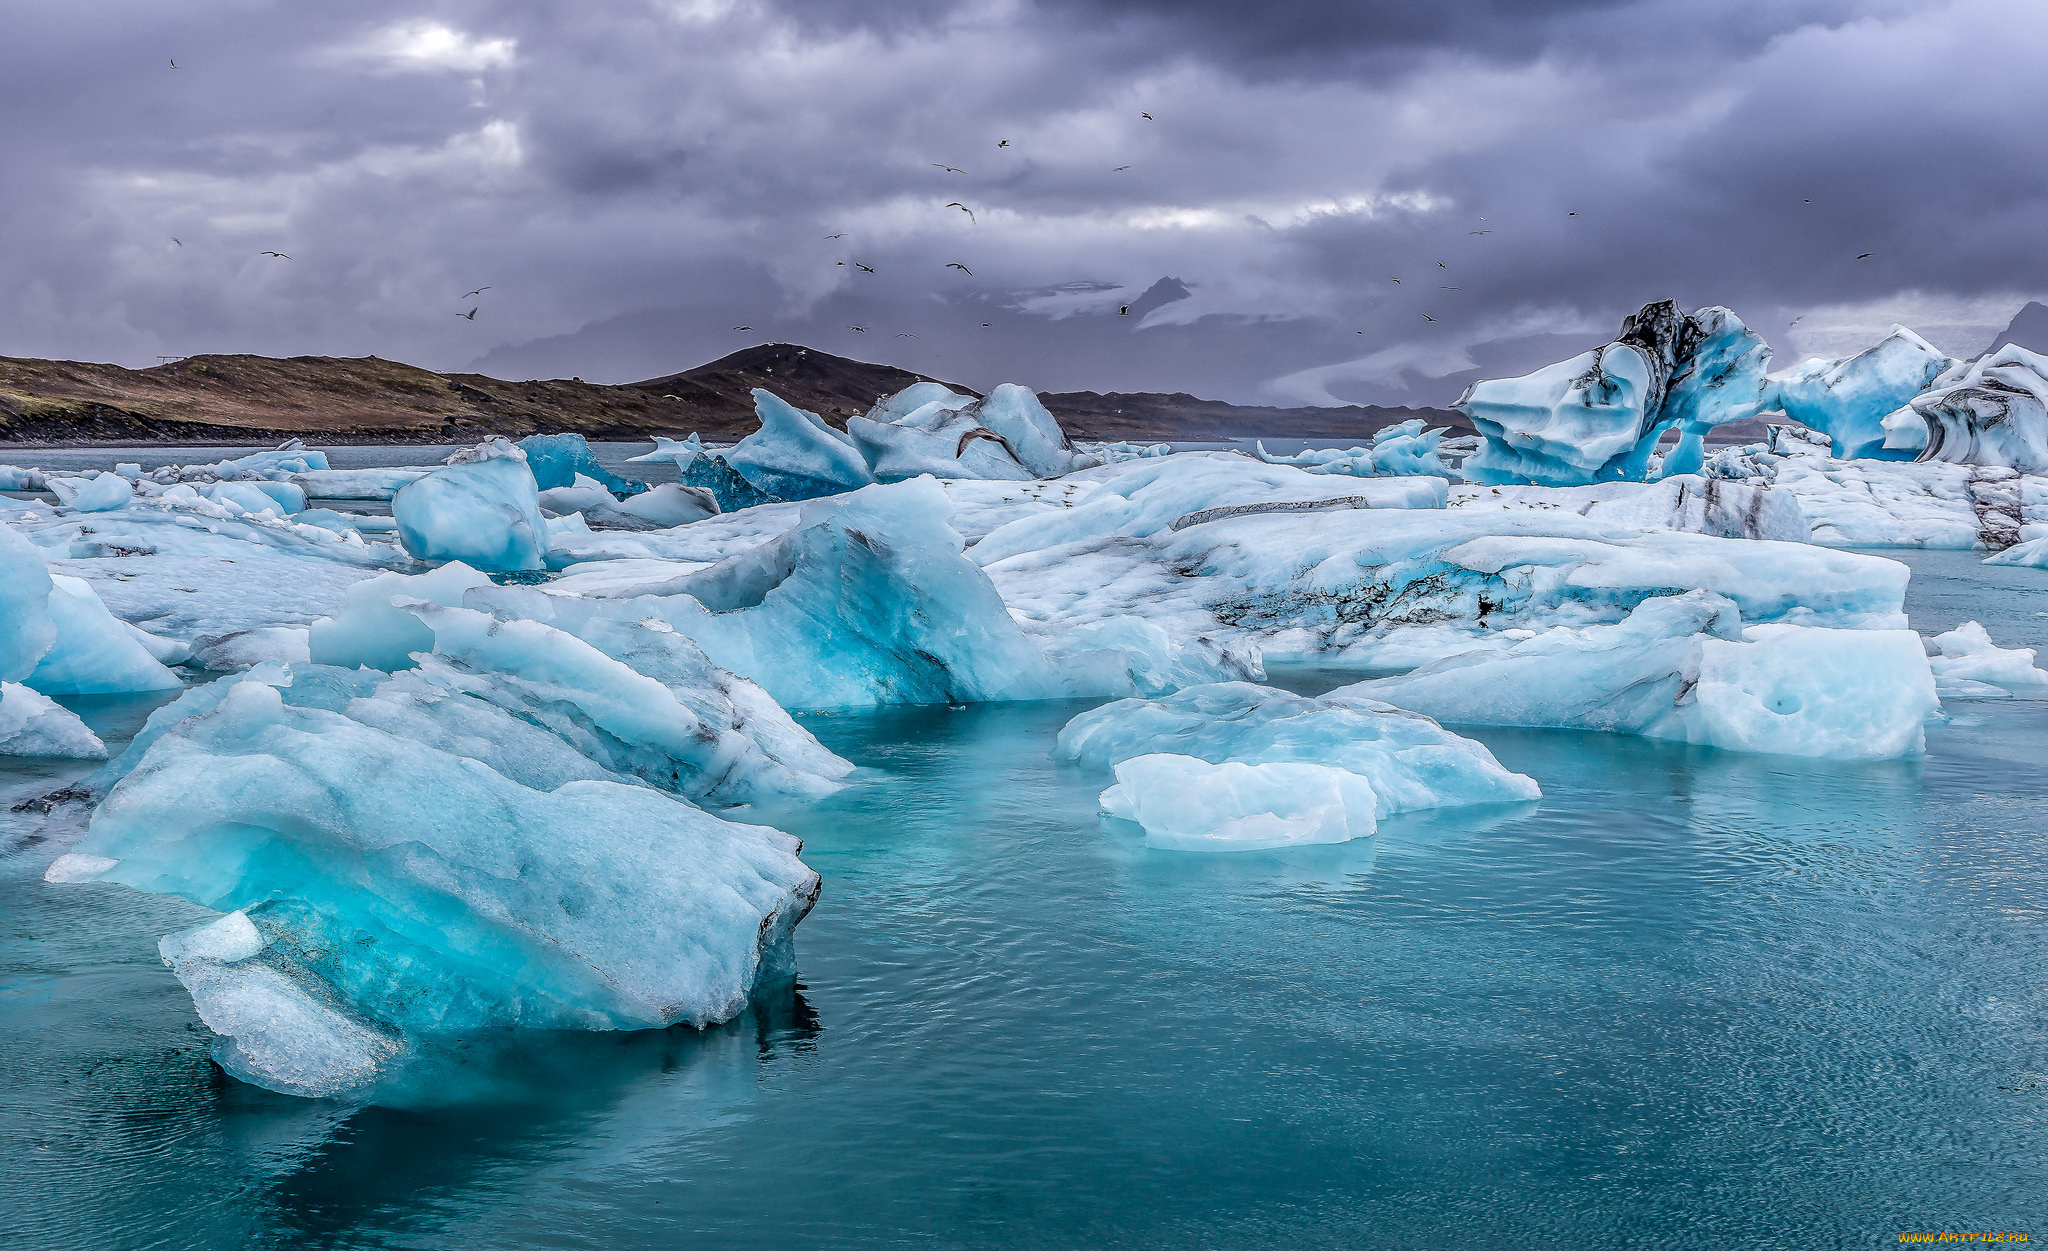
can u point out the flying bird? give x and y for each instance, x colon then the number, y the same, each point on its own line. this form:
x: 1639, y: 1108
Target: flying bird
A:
x: 1125, y: 311
x: 174, y: 62
x: 1480, y: 232
x: 180, y: 242
x: 1573, y: 214
x: 840, y: 235
x: 1865, y: 256
x: 742, y: 328
x: 1148, y: 117
x: 948, y: 168
x: 478, y: 291
x: 1361, y: 332
x: 858, y: 329
x: 1450, y: 288
x: 963, y: 208
x: 962, y: 268
x: 1119, y: 169
x: 863, y: 268
x: 1001, y: 143
x: 1397, y: 282
x: 1441, y: 265
x: 985, y: 325
x: 1427, y: 317
x: 279, y: 255
x: 905, y: 334
x: 1795, y: 321
x: 470, y: 315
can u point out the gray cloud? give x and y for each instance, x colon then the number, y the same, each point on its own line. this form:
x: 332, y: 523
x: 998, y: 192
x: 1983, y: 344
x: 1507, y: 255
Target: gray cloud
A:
x: 633, y: 180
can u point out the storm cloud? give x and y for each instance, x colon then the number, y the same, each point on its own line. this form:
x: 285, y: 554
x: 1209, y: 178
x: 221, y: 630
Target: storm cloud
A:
x: 635, y: 181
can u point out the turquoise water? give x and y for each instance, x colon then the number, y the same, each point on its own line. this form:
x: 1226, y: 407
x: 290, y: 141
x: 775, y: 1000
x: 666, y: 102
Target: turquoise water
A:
x: 1689, y: 999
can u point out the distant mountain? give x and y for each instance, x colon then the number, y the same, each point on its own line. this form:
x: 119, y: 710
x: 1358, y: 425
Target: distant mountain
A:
x: 2029, y: 329
x: 243, y: 399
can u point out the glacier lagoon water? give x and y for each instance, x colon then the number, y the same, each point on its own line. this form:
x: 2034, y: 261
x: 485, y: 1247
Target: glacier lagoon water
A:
x: 1689, y: 998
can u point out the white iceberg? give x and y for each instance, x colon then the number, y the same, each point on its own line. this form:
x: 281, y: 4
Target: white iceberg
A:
x: 1968, y: 665
x: 1993, y: 411
x: 94, y: 652
x: 32, y: 724
x: 26, y: 629
x: 795, y: 455
x: 1684, y: 668
x: 1411, y: 762
x: 1847, y: 400
x: 1185, y: 804
x: 483, y: 511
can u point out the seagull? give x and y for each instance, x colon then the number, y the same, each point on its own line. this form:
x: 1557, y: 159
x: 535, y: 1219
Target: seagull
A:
x: 1427, y: 317
x: 840, y: 235
x: 1795, y: 321
x: 1361, y: 332
x: 858, y: 329
x: 963, y: 208
x: 470, y: 315
x: 962, y: 268
x: 1441, y: 265
x: 948, y: 168
x: 1397, y: 282
x: 279, y: 255
x: 1573, y: 214
x: 985, y: 325
x: 1865, y: 256
x: 1450, y: 288
x: 1119, y: 169
x: 174, y: 62
x: 1001, y: 143
x: 1125, y: 311
x: 1806, y: 201
x: 905, y: 334
x: 1479, y: 232
x: 743, y: 328
x: 864, y: 268
x: 478, y: 291
x: 180, y: 242
x: 1148, y: 117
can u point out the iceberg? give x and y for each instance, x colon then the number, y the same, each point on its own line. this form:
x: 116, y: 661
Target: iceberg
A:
x: 944, y: 436
x: 357, y: 484
x: 1847, y: 400
x: 670, y: 504
x: 26, y: 628
x: 557, y: 460
x: 793, y: 456
x: 99, y: 494
x: 2032, y: 554
x: 1683, y: 667
x: 482, y: 509
x: 1993, y: 411
x: 427, y: 893
x: 1968, y: 665
x: 1599, y: 415
x: 1410, y: 761
x: 94, y: 652
x: 1185, y: 804
x: 678, y: 452
x: 372, y: 631
x: 1400, y: 450
x: 32, y: 724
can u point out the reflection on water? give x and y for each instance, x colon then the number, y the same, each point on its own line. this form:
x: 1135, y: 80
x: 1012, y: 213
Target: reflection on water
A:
x: 1690, y: 997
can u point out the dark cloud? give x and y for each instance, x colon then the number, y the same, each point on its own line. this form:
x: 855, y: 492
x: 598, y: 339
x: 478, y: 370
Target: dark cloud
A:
x: 635, y: 179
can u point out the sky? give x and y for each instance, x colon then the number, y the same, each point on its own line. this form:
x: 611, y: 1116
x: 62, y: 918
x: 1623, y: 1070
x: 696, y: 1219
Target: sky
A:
x: 640, y: 186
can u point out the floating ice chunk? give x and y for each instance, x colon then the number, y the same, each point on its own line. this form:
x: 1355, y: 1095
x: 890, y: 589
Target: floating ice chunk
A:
x: 670, y: 504
x: 370, y: 631
x: 679, y: 452
x: 358, y: 484
x: 431, y: 893
x: 795, y: 455
x: 247, y: 497
x: 1599, y: 415
x: 26, y: 630
x: 128, y: 470
x: 1411, y: 762
x: 99, y: 494
x: 16, y: 478
x: 948, y: 442
x: 244, y: 649
x: 32, y: 724
x: 1400, y: 450
x: 1848, y: 399
x: 1682, y: 667
x: 2033, y: 553
x: 277, y: 1026
x: 639, y: 698
x: 95, y: 653
x: 558, y: 460
x: 288, y: 458
x: 484, y: 511
x: 1174, y: 493
x: 1993, y: 411
x: 1965, y: 657
x: 1187, y: 804
x: 583, y: 494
